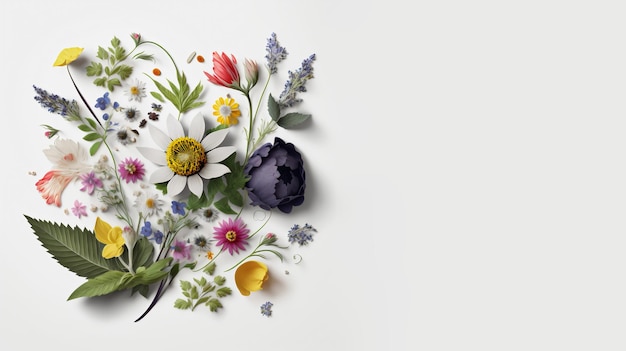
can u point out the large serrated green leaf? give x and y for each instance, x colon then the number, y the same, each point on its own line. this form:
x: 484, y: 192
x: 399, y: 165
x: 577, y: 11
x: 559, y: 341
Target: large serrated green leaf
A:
x: 76, y: 249
x: 103, y: 284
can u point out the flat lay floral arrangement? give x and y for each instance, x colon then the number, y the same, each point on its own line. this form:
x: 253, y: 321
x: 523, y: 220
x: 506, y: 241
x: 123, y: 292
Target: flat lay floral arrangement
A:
x: 174, y: 173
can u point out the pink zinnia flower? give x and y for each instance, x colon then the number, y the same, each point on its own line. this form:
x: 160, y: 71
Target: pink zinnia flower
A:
x: 90, y: 182
x: 181, y: 250
x: 131, y: 170
x: 232, y: 235
x: 225, y: 71
x: 79, y: 209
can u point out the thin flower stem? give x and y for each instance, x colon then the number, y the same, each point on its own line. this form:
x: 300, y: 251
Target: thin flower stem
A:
x: 83, y: 98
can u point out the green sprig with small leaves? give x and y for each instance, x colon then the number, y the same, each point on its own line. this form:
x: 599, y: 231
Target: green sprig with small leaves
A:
x: 203, y: 291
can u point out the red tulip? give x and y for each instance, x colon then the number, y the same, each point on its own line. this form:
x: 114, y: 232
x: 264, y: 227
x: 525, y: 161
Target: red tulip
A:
x: 225, y: 71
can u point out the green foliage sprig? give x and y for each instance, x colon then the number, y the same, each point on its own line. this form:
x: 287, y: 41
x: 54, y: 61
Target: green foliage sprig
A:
x: 203, y: 292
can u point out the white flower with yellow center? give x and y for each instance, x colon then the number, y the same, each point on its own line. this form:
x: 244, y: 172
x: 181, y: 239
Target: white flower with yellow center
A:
x: 186, y: 159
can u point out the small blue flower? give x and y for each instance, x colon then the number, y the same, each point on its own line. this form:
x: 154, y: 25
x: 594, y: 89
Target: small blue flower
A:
x: 266, y: 309
x: 146, y: 230
x: 158, y: 237
x: 178, y: 207
x: 301, y: 235
x: 103, y: 102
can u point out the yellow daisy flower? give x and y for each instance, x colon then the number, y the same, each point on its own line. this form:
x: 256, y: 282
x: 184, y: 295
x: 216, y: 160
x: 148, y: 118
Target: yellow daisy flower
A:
x: 227, y: 111
x: 111, y: 237
x: 67, y: 56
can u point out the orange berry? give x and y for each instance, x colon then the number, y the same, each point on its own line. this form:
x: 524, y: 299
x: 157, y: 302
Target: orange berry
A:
x: 156, y: 72
x: 200, y: 58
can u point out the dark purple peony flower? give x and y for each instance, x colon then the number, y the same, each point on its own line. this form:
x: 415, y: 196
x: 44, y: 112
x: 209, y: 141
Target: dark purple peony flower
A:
x: 277, y: 177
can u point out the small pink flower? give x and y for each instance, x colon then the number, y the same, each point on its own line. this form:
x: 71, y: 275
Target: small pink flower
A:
x: 131, y: 170
x: 90, y: 182
x: 79, y: 209
x: 225, y: 71
x: 232, y: 235
x: 252, y: 72
x: 181, y: 250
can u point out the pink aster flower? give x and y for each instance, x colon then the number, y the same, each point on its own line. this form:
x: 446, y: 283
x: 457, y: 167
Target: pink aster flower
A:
x: 181, y: 250
x: 90, y: 182
x: 79, y: 209
x: 131, y: 170
x: 232, y: 235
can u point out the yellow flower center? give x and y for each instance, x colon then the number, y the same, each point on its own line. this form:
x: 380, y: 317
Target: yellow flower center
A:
x: 150, y: 203
x: 134, y: 90
x: 130, y: 168
x: 231, y: 235
x: 185, y: 156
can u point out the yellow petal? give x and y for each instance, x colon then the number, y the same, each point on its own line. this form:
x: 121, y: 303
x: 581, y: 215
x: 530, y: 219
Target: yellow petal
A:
x: 250, y: 276
x: 102, y: 230
x: 67, y: 56
x: 112, y: 250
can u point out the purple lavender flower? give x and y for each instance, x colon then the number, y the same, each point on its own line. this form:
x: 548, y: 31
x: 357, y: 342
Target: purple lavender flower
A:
x: 277, y: 176
x: 54, y: 103
x: 296, y: 83
x: 275, y: 53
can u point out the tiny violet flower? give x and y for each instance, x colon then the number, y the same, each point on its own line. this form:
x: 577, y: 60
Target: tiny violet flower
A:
x: 90, y: 182
x: 266, y: 309
x: 79, y: 210
x: 181, y: 250
x: 178, y: 207
x: 301, y: 235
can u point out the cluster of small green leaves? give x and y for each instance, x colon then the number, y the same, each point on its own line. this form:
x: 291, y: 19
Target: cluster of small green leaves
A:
x: 203, y: 291
x: 94, y: 134
x: 113, y: 71
x: 79, y: 251
x: 181, y: 96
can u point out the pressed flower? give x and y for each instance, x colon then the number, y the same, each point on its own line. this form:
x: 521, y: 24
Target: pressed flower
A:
x: 103, y: 102
x: 225, y: 71
x: 266, y: 309
x: 208, y: 214
x: 90, y: 182
x: 67, y: 56
x: 275, y: 53
x: 111, y: 237
x: 126, y: 135
x: 50, y: 131
x: 178, y: 207
x: 232, y: 235
x: 79, y: 210
x: 252, y: 72
x: 148, y: 204
x: 187, y: 159
x: 131, y: 114
x: 301, y: 235
x: 69, y: 161
x: 227, y: 111
x: 201, y: 242
x: 136, y: 91
x: 181, y: 250
x: 131, y: 170
x: 136, y: 38
x: 250, y: 276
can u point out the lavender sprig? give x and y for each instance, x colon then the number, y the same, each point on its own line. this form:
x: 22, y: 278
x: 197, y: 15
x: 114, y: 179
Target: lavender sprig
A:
x: 296, y: 83
x: 275, y: 53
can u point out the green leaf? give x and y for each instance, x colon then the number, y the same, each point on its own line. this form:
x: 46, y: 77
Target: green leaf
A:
x: 185, y: 285
x: 125, y: 71
x: 157, y: 96
x: 115, y: 42
x: 292, y: 120
x: 182, y: 304
x: 202, y: 300
x: 223, y: 205
x: 103, y: 284
x: 210, y: 269
x: 85, y: 128
x: 223, y: 291
x: 112, y: 83
x: 143, y: 252
x: 219, y: 280
x: 94, y: 69
x: 102, y: 53
x: 76, y: 249
x: 273, y: 108
x: 100, y: 82
x: 214, y: 304
x: 94, y: 148
x: 92, y: 136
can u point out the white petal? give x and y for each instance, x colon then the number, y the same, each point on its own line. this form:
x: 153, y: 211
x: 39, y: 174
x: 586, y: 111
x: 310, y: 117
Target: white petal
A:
x: 174, y: 128
x: 211, y: 170
x: 161, y: 139
x: 176, y: 185
x: 196, y: 185
x: 154, y: 155
x: 161, y: 175
x: 215, y: 138
x: 219, y: 154
x: 196, y: 129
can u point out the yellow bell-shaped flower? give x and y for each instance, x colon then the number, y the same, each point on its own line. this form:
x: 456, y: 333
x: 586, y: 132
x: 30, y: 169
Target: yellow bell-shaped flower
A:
x: 111, y: 237
x: 67, y: 56
x: 250, y: 276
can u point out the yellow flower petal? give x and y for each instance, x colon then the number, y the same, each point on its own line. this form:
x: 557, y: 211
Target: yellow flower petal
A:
x: 67, y: 56
x: 250, y: 276
x: 102, y: 229
x: 112, y: 250
x: 110, y: 236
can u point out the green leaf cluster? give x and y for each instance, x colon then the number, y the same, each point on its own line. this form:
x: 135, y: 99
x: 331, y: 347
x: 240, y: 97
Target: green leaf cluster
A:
x: 94, y: 135
x: 227, y: 188
x: 289, y: 120
x: 181, y: 95
x: 203, y: 291
x: 111, y: 70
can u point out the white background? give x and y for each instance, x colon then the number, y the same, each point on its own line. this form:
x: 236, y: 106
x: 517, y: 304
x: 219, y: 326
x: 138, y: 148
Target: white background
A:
x: 466, y: 176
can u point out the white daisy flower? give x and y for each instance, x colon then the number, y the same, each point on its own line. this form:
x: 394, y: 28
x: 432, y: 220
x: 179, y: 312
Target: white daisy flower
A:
x: 187, y: 159
x: 148, y: 203
x: 136, y: 91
